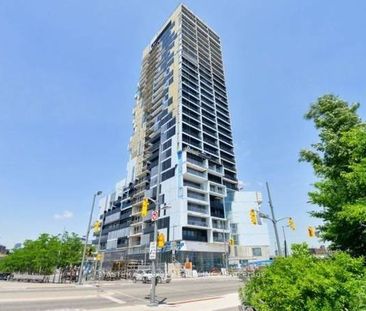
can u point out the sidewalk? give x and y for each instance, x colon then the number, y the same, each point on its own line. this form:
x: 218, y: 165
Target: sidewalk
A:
x: 27, y: 285
x: 225, y: 302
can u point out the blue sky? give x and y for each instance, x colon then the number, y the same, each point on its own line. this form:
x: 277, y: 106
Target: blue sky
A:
x: 68, y: 74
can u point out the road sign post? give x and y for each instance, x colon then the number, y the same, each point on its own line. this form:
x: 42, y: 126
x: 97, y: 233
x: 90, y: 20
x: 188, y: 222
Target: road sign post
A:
x: 154, y: 216
x: 152, y: 251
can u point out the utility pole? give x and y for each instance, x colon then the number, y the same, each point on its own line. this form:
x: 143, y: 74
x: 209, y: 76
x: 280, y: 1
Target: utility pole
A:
x: 87, y: 237
x: 274, y: 221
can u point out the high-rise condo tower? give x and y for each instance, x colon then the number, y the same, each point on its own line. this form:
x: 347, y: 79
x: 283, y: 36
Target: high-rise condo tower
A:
x: 181, y: 142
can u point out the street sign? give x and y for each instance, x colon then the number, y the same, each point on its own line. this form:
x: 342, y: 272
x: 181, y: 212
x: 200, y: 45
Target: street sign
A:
x: 172, y: 246
x: 154, y: 216
x: 152, y: 251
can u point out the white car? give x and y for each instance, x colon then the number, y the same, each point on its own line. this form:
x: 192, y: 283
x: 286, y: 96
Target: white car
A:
x: 139, y: 275
x: 146, y: 275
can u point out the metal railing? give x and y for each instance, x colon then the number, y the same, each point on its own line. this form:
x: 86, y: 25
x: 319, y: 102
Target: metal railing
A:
x: 196, y: 162
x: 194, y: 172
x: 197, y: 223
x: 197, y: 196
x: 194, y: 208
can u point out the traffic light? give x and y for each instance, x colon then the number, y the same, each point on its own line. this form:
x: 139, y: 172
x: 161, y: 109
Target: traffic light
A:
x: 231, y: 242
x: 291, y: 223
x: 161, y: 240
x: 253, y: 217
x: 311, y: 231
x: 144, y: 207
x: 97, y: 226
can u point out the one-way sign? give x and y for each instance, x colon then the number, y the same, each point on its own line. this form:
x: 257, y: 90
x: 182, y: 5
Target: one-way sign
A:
x: 152, y: 251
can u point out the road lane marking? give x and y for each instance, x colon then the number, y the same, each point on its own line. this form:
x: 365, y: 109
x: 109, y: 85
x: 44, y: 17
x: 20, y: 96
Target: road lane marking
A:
x: 130, y: 296
x: 193, y: 300
x: 114, y: 299
x: 5, y: 300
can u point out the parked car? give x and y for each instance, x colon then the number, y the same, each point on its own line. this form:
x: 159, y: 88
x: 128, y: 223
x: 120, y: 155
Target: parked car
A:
x: 4, y: 276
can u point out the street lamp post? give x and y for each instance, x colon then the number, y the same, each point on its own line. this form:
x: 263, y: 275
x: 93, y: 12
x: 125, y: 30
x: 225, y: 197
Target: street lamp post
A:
x: 275, y: 221
x: 87, y: 237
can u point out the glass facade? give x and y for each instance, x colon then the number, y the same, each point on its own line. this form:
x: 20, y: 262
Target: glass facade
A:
x: 181, y: 110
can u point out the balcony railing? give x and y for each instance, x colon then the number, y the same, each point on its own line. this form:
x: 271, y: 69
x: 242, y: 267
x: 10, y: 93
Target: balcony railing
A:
x: 194, y: 172
x: 197, y: 223
x: 196, y: 162
x: 197, y: 208
x: 216, y: 189
x: 193, y: 185
x: 215, y: 168
x: 219, y: 226
x: 197, y: 196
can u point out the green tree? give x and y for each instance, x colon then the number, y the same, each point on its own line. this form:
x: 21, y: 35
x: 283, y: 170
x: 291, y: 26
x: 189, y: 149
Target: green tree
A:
x: 71, y: 250
x: 339, y: 161
x: 44, y: 255
x: 303, y: 282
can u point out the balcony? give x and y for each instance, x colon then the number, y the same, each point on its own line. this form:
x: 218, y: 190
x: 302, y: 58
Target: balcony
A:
x: 217, y: 190
x: 226, y: 148
x: 197, y: 221
x: 135, y: 220
x: 195, y: 162
x: 227, y: 157
x: 192, y: 234
x: 196, y: 173
x: 134, y: 241
x: 191, y: 141
x: 215, y: 168
x: 136, y: 230
x: 192, y: 184
x: 220, y: 237
x: 197, y: 196
x: 196, y: 208
x: 191, y: 131
x: 217, y: 224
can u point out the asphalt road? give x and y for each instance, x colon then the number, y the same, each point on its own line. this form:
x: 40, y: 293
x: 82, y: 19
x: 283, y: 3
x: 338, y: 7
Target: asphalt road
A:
x: 20, y: 297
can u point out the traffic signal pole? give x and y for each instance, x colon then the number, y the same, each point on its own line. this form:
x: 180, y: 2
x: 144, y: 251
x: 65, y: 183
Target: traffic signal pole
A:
x: 274, y: 221
x: 86, y: 238
x: 153, y: 301
x: 96, y: 266
x: 284, y: 241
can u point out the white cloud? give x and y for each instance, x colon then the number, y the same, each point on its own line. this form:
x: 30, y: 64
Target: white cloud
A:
x: 64, y: 215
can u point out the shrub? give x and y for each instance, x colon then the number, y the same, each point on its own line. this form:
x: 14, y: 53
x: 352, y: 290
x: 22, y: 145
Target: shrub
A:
x: 303, y: 282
